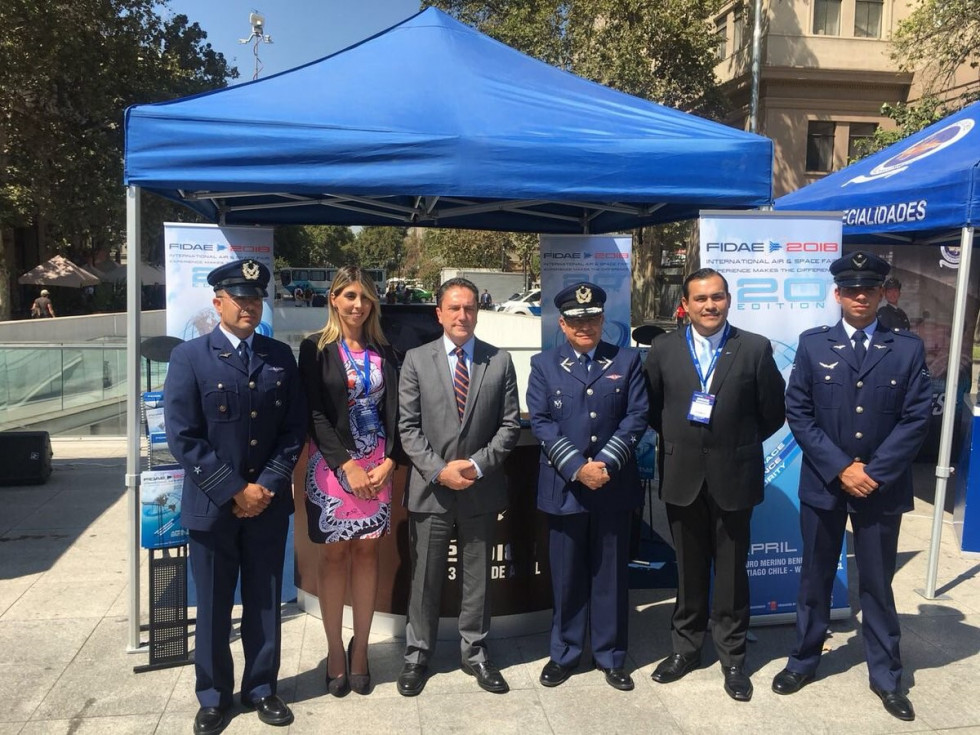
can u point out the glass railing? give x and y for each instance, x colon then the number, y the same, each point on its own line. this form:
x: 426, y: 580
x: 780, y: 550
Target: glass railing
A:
x: 68, y: 389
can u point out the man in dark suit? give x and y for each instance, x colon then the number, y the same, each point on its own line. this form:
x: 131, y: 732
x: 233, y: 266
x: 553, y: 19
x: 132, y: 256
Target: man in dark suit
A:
x: 858, y: 403
x: 235, y: 421
x: 588, y: 407
x: 890, y: 315
x: 715, y: 396
x: 459, y: 419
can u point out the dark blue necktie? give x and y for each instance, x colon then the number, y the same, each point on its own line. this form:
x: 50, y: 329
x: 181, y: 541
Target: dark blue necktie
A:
x: 244, y: 352
x: 859, y: 349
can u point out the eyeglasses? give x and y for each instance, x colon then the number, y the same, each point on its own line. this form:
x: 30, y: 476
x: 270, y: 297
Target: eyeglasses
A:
x: 239, y: 301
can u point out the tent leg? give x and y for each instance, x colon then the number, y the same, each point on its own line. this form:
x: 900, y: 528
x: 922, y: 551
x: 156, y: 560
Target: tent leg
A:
x: 950, y: 408
x: 133, y: 308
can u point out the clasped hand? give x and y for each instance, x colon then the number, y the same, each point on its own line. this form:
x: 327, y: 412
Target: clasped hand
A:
x: 458, y: 474
x: 856, y: 481
x: 593, y: 475
x: 251, y: 501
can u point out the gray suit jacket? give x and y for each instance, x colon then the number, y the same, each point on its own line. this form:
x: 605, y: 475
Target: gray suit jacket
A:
x: 432, y: 433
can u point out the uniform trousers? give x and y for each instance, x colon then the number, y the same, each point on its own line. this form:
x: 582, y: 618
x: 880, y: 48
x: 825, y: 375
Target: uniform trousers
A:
x: 704, y: 535
x: 875, y: 551
x: 256, y: 548
x: 589, y: 556
x: 429, y: 537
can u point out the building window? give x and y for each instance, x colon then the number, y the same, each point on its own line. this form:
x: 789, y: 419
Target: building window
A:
x: 867, y: 18
x: 820, y: 146
x: 859, y: 135
x: 721, y: 39
x: 826, y: 17
x: 739, y: 28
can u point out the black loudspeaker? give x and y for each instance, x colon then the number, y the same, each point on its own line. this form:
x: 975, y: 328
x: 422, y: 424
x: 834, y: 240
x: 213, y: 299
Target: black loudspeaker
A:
x: 26, y: 457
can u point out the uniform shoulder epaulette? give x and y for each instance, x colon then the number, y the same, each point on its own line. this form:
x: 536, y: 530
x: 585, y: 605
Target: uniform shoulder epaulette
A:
x: 815, y: 330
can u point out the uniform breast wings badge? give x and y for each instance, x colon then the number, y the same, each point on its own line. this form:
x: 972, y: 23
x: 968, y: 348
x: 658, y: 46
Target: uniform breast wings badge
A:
x: 831, y: 366
x: 225, y: 355
x: 838, y: 347
x: 567, y: 365
x: 880, y: 347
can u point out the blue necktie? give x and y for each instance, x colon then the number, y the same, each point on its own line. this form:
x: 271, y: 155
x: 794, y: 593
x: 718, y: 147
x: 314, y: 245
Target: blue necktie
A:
x: 244, y: 353
x: 859, y: 349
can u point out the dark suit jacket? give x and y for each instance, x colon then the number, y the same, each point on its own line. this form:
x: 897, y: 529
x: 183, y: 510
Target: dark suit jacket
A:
x: 325, y: 384
x: 894, y: 391
x: 432, y: 433
x: 578, y: 414
x: 725, y: 454
x: 227, y: 426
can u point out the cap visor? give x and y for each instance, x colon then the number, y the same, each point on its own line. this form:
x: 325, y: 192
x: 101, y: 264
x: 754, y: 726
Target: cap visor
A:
x: 858, y: 282
x: 246, y: 292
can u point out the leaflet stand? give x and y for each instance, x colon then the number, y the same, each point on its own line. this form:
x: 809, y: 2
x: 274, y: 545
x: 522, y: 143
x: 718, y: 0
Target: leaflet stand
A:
x: 169, y: 622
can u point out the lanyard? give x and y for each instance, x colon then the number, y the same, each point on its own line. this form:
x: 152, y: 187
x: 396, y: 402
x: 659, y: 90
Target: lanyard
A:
x: 706, y: 377
x: 365, y: 376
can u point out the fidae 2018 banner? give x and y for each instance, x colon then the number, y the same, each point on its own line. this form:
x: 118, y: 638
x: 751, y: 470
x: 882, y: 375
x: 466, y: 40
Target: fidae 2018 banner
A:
x: 604, y: 260
x: 777, y: 268
x: 193, y: 251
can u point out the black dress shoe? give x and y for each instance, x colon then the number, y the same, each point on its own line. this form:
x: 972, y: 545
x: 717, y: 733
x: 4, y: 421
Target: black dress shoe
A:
x: 896, y: 704
x: 674, y: 667
x: 412, y: 679
x: 554, y: 674
x: 617, y: 678
x: 738, y: 686
x: 487, y: 676
x: 789, y: 682
x: 209, y: 721
x: 271, y: 710
x: 338, y: 686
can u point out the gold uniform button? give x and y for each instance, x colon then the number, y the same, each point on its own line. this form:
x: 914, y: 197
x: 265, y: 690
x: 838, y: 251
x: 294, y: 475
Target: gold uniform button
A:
x: 251, y: 384
x: 254, y: 442
x: 859, y: 409
x: 254, y: 414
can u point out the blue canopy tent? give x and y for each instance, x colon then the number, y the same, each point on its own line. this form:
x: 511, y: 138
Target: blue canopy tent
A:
x: 924, y: 189
x: 431, y: 124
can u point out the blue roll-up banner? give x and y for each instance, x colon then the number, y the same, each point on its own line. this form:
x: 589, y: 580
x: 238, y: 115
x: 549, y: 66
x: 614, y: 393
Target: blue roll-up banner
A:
x: 777, y: 267
x: 193, y: 251
x: 600, y: 259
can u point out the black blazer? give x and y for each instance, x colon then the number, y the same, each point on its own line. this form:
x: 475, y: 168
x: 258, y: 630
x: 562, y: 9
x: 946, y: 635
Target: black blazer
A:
x: 749, y: 407
x: 325, y: 382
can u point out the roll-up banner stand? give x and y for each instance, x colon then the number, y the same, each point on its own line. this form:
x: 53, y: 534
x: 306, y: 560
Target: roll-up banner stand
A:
x: 777, y: 267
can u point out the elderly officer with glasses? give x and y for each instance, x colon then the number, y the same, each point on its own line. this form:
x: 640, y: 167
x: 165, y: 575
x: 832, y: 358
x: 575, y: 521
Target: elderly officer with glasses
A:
x: 588, y: 405
x: 235, y: 421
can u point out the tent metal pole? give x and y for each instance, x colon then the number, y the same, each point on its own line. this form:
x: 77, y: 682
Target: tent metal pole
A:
x: 133, y: 414
x: 943, y: 470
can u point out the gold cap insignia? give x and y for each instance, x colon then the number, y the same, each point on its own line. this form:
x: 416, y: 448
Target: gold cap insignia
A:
x: 583, y: 295
x: 250, y: 270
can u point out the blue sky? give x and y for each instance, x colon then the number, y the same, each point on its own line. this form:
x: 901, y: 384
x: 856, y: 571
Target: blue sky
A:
x: 301, y: 30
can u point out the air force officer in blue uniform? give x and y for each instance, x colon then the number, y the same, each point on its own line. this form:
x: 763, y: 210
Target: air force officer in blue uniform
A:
x: 588, y: 405
x: 235, y: 420
x: 858, y: 403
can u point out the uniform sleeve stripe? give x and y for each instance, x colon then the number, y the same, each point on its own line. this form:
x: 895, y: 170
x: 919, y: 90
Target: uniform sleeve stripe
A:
x: 219, y: 476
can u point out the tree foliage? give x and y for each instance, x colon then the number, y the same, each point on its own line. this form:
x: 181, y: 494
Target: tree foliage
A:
x: 381, y: 247
x: 942, y: 35
x: 909, y: 118
x: 315, y: 245
x: 661, y: 51
x: 68, y: 71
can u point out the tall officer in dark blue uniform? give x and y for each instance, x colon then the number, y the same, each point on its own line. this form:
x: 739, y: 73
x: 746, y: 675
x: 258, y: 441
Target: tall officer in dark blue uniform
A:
x: 858, y: 403
x: 235, y: 420
x: 588, y: 406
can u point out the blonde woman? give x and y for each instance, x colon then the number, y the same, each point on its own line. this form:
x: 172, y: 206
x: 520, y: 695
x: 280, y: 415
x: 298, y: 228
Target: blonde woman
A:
x: 349, y: 373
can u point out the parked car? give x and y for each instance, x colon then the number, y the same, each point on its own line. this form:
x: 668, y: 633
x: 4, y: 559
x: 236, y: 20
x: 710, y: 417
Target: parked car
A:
x: 529, y: 304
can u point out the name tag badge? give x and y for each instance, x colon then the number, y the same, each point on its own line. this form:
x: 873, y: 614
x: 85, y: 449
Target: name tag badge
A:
x: 701, y: 405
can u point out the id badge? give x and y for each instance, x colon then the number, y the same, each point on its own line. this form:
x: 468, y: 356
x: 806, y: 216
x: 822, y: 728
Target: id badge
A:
x: 365, y: 416
x: 701, y: 405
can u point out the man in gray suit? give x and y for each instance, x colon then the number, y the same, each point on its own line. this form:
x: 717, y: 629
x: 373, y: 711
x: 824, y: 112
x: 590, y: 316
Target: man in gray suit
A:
x: 459, y: 419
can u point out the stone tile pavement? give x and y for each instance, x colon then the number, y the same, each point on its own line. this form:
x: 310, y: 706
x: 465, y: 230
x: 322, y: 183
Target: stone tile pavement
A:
x: 64, y: 666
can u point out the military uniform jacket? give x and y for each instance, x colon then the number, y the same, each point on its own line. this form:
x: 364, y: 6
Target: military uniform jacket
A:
x: 877, y: 414
x: 724, y: 455
x: 579, y: 415
x: 228, y: 426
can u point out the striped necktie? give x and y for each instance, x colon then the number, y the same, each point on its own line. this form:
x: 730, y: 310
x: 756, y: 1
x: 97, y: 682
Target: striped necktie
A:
x: 461, y: 381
